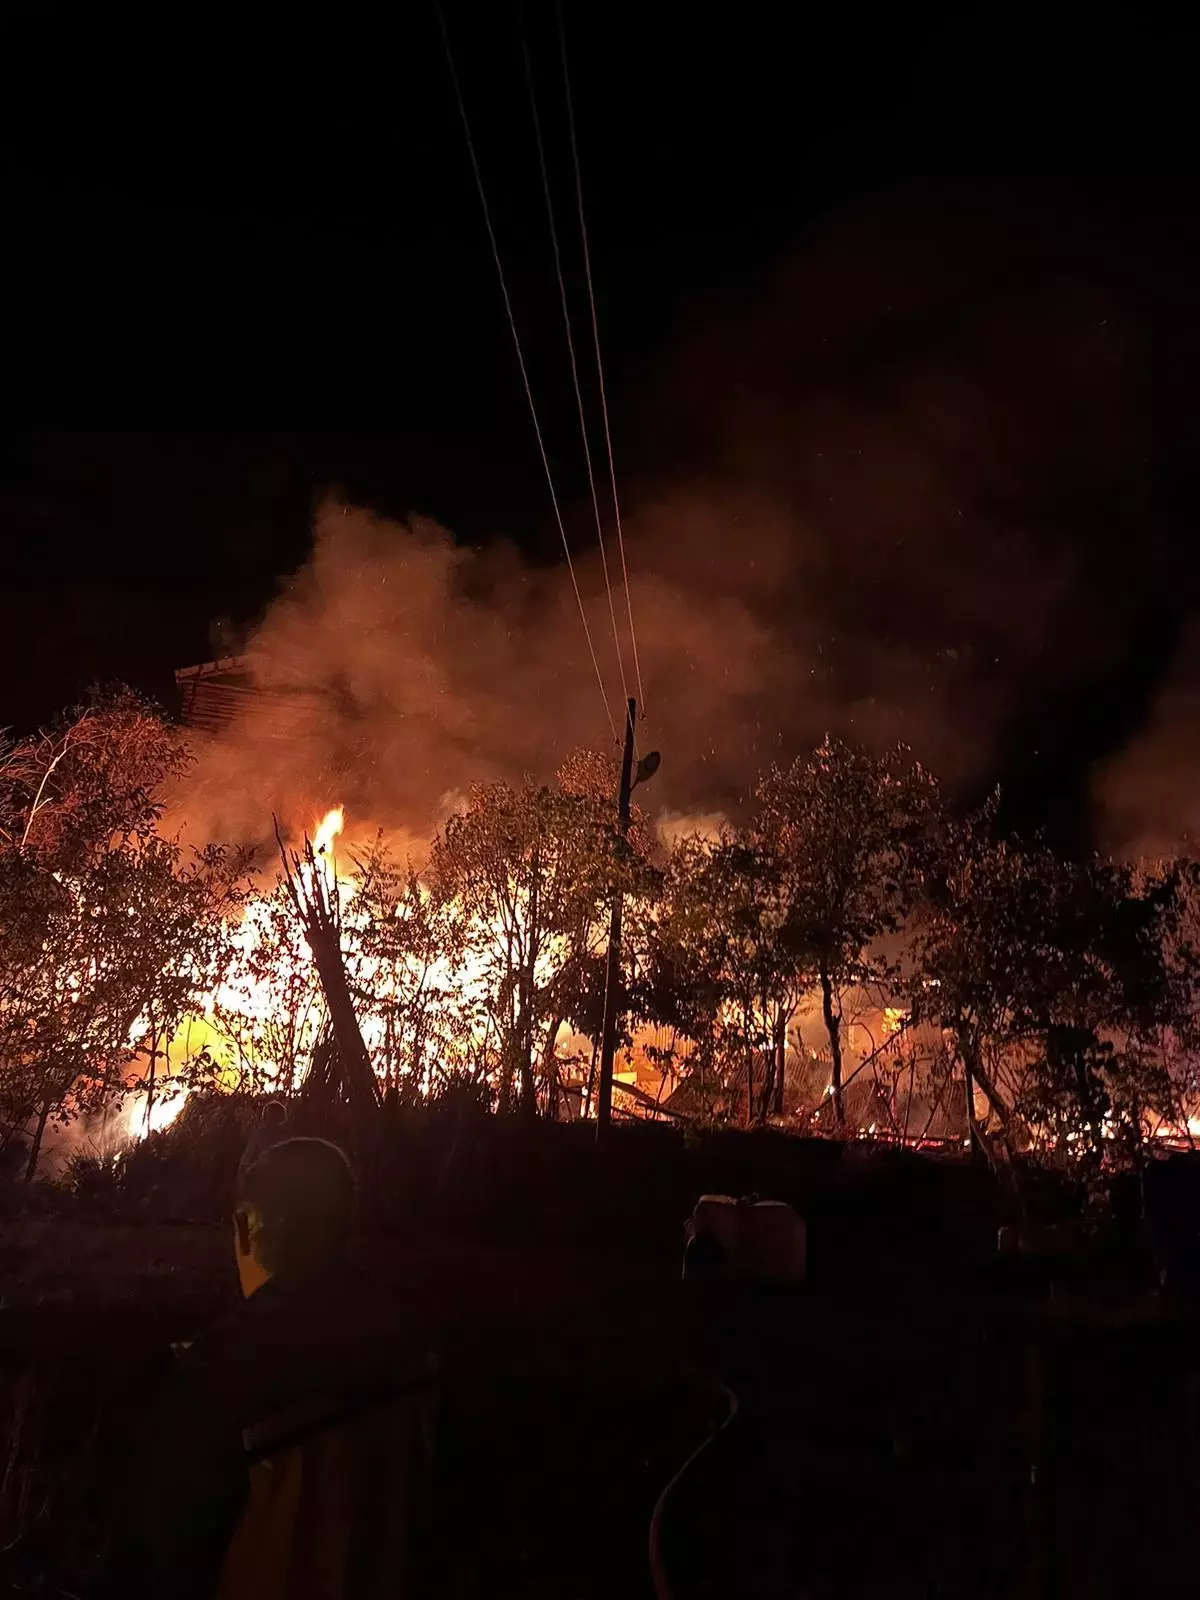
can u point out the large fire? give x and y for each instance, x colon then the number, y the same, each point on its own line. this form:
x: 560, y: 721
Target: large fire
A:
x: 153, y: 1109
x: 258, y: 1026
x: 238, y: 1024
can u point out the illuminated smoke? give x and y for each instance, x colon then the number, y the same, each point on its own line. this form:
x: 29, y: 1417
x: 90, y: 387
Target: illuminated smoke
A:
x: 848, y: 516
x: 1148, y: 796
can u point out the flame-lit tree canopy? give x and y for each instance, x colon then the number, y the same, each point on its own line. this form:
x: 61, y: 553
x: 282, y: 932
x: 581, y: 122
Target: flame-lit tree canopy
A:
x: 850, y: 954
x: 409, y: 979
x: 850, y: 832
x: 726, y: 968
x: 530, y: 871
x: 110, y: 934
x: 1063, y: 988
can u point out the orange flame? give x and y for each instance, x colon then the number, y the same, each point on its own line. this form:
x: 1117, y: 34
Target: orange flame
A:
x: 328, y: 829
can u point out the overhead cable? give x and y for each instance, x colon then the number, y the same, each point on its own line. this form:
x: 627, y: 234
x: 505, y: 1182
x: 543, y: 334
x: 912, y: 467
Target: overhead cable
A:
x: 587, y: 267
x: 566, y: 312
x: 512, y: 323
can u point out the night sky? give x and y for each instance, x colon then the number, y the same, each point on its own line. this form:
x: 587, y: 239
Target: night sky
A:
x: 247, y: 264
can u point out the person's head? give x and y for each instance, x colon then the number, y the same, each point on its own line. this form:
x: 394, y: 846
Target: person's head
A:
x: 293, y: 1210
x: 274, y: 1114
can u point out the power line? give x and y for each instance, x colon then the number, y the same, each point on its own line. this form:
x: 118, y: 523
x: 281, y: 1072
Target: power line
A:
x: 562, y: 296
x: 587, y: 267
x: 512, y: 323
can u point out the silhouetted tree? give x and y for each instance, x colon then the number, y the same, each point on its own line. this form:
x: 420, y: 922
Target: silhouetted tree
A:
x: 1052, y: 980
x: 851, y: 833
x: 109, y: 933
x: 725, y: 968
x: 530, y: 869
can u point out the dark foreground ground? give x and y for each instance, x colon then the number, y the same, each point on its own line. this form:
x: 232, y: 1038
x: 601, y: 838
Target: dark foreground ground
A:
x: 922, y: 1420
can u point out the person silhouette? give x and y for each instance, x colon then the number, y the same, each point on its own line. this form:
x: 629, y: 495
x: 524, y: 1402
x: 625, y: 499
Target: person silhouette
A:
x: 294, y: 1439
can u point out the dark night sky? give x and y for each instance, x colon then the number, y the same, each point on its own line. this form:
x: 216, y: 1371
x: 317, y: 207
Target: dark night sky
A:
x: 248, y: 263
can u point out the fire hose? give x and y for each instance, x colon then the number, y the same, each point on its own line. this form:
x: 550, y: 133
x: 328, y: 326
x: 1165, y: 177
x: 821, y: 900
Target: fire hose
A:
x: 658, y: 1571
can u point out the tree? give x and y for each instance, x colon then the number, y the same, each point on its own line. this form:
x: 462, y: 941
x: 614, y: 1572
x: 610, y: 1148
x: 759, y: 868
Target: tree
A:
x: 101, y: 966
x: 268, y: 1007
x: 1051, y: 980
x: 724, y: 967
x: 530, y: 869
x: 108, y: 932
x: 96, y: 774
x: 408, y: 972
x: 850, y: 831
x: 1107, y: 1000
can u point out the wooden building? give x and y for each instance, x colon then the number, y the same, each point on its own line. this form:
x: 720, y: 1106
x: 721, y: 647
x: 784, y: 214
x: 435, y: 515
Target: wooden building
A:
x: 217, y: 694
x: 212, y: 694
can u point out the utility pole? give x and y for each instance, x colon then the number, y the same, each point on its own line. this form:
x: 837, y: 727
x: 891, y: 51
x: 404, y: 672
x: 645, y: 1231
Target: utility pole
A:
x: 646, y: 768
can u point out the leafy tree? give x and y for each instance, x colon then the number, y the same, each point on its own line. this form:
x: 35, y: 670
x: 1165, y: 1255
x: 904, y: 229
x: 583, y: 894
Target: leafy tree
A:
x: 1107, y: 1000
x: 424, y: 1020
x: 530, y: 869
x: 108, y: 933
x: 1052, y: 981
x: 851, y: 833
x: 268, y: 1007
x: 724, y: 967
x: 98, y: 773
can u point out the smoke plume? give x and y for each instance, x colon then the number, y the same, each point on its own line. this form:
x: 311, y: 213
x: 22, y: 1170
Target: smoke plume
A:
x: 1149, y: 794
x: 872, y: 502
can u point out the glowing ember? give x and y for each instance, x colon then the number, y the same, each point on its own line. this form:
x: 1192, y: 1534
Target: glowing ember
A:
x: 1172, y: 1130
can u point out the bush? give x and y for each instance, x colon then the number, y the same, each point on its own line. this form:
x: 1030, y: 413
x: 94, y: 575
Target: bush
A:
x: 92, y: 1177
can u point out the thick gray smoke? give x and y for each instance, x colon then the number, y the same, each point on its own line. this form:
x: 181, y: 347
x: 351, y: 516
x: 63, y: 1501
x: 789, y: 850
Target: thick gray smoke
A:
x: 857, y: 530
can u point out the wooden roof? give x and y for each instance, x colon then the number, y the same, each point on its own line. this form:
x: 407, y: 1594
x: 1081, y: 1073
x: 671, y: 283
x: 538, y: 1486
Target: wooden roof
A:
x: 217, y: 693
x: 214, y: 692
